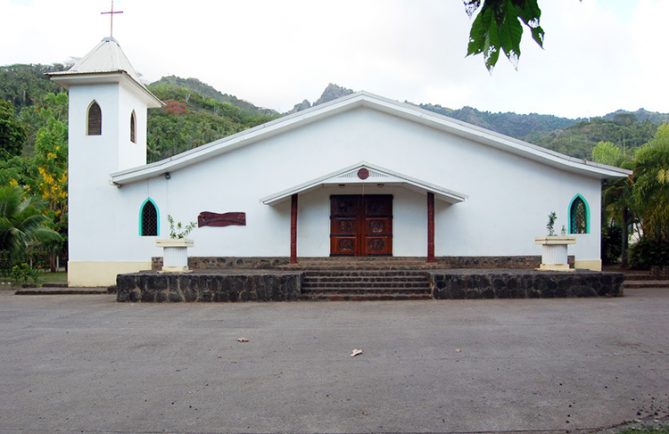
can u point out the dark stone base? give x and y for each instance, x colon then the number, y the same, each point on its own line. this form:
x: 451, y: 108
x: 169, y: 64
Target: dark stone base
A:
x: 269, y: 263
x: 461, y: 284
x: 276, y: 285
x: 152, y: 286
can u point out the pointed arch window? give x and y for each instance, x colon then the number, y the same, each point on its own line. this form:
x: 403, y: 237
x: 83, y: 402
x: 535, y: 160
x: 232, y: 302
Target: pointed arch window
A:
x: 133, y: 127
x: 149, y: 219
x: 579, y: 216
x: 94, y: 119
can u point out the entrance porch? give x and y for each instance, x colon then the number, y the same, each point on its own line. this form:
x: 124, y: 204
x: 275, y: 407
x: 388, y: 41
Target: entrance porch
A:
x: 364, y: 210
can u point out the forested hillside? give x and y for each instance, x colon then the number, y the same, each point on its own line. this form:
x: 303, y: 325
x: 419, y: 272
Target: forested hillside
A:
x: 195, y: 114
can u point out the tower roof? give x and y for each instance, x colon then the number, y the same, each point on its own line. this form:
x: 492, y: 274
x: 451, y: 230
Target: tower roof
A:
x: 104, y: 60
x: 107, y: 56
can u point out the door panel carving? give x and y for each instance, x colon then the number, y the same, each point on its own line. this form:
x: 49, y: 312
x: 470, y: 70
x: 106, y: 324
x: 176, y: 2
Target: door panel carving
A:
x: 361, y: 225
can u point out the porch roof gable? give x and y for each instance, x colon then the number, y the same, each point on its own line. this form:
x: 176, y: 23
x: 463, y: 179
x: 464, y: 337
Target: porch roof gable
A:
x: 375, y: 175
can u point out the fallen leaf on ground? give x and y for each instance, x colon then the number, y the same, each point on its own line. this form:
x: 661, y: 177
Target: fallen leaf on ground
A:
x: 242, y: 340
x: 356, y: 352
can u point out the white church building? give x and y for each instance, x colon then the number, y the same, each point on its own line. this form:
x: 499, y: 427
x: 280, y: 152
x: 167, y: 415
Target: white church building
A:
x: 362, y: 175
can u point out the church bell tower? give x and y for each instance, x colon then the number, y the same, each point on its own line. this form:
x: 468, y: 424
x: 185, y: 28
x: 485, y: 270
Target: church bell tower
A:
x: 106, y: 133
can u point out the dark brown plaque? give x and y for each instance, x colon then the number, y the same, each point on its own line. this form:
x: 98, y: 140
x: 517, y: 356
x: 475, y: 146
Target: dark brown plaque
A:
x: 207, y: 218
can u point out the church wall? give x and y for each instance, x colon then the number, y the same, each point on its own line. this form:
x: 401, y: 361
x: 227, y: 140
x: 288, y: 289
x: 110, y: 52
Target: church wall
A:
x: 131, y: 154
x: 509, y: 197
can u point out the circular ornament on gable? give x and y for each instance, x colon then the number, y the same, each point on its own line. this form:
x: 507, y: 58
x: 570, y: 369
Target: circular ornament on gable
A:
x: 363, y: 173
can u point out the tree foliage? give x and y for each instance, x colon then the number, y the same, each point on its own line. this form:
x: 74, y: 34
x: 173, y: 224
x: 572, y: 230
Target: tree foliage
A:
x: 12, y: 133
x: 190, y: 119
x: 22, y: 224
x: 498, y: 27
x: 651, y: 185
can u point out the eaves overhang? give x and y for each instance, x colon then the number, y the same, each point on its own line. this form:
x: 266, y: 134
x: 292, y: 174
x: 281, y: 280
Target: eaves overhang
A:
x: 66, y: 79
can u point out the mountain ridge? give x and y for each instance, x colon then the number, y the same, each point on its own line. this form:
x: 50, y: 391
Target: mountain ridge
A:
x: 196, y: 113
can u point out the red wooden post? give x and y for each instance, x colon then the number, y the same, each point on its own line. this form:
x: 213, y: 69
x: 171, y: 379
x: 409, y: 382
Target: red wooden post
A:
x: 293, y: 229
x: 430, y: 227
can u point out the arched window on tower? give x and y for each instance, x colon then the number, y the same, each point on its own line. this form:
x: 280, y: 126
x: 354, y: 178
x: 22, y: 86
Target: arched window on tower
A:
x: 94, y: 119
x: 133, y: 127
x: 579, y: 216
x: 149, y: 219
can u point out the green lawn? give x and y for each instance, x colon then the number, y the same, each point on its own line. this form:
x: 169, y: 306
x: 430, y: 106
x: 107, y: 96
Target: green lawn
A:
x: 646, y: 431
x: 58, y: 277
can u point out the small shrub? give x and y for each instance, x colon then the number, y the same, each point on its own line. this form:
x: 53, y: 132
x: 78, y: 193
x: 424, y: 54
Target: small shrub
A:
x: 551, y: 223
x: 178, y: 230
x: 646, y: 253
x: 612, y: 239
x: 24, y: 273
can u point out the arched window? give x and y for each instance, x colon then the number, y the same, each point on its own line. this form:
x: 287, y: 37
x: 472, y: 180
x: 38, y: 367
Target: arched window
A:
x: 579, y: 216
x: 94, y: 120
x: 133, y: 129
x: 149, y: 219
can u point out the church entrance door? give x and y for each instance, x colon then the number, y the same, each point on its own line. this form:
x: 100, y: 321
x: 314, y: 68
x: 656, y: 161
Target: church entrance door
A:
x: 361, y: 225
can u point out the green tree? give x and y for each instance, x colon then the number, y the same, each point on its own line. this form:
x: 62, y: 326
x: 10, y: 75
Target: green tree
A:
x: 498, y: 27
x: 51, y: 163
x: 11, y: 131
x: 651, y: 185
x: 22, y: 225
x: 617, y: 200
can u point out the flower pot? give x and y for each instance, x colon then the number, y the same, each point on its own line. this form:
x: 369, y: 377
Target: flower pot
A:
x: 175, y: 254
x: 554, y: 252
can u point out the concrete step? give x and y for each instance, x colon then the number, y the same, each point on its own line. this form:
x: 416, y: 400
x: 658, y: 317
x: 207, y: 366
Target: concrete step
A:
x: 359, y: 284
x: 366, y: 278
x: 365, y: 273
x: 646, y: 284
x: 640, y: 276
x: 365, y: 290
x: 335, y: 296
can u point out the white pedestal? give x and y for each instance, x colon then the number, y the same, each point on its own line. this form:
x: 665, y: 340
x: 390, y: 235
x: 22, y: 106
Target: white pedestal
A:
x: 175, y: 255
x: 554, y: 252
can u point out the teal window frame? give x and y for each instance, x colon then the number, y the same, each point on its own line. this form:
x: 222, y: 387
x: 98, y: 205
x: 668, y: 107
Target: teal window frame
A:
x: 587, y: 214
x: 141, y: 218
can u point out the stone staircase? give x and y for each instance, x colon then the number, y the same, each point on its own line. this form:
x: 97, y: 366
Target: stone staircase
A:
x: 643, y: 279
x: 369, y: 284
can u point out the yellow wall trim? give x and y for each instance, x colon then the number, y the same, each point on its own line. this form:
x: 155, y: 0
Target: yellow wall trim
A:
x: 589, y: 264
x: 86, y: 273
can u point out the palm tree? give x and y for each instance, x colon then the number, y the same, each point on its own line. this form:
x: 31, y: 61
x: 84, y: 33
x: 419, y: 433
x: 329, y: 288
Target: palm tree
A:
x: 21, y: 223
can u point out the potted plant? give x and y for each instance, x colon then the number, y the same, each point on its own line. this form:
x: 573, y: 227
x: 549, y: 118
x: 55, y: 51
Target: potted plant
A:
x: 175, y: 249
x: 554, y: 247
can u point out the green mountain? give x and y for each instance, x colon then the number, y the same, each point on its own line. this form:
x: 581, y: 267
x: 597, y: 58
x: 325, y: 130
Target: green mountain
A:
x: 24, y: 85
x: 195, y: 113
x: 208, y: 91
x: 510, y: 124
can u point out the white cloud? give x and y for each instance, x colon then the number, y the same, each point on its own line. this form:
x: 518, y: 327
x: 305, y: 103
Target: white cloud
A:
x: 599, y: 55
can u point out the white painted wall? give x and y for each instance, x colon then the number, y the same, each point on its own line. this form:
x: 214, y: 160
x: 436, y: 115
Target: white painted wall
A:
x: 94, y: 204
x: 509, y: 198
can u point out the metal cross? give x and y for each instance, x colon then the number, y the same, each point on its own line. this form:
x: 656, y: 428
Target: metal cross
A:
x: 111, y: 14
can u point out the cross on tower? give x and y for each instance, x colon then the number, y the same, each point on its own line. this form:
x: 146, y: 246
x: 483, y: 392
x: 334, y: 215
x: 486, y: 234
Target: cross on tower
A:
x: 111, y: 14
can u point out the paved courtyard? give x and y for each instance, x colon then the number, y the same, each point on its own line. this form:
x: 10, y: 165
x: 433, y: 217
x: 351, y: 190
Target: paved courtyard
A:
x: 87, y: 363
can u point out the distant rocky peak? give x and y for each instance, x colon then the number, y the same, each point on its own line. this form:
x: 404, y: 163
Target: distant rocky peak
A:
x: 332, y: 92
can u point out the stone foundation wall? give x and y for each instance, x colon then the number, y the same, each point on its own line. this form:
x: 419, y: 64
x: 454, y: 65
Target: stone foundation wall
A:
x: 250, y: 263
x: 187, y: 287
x: 460, y: 284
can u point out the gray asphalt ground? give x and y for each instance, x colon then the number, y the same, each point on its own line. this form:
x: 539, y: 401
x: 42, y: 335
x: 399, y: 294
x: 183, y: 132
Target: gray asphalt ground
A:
x: 86, y: 363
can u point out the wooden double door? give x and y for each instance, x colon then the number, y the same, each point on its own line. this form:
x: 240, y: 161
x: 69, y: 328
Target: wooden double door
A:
x: 361, y: 225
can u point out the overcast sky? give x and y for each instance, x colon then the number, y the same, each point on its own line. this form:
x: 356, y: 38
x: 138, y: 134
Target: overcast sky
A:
x: 599, y: 56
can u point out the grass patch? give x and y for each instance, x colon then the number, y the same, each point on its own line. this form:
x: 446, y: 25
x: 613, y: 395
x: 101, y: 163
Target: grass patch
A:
x: 646, y: 431
x: 58, y: 277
